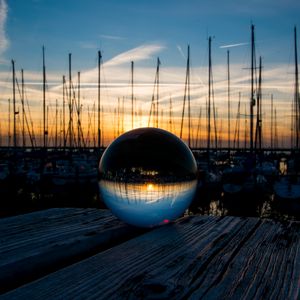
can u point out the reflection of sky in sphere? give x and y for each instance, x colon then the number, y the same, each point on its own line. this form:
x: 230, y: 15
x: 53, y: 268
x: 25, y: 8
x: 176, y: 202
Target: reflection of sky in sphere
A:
x: 147, y: 204
x: 147, y: 177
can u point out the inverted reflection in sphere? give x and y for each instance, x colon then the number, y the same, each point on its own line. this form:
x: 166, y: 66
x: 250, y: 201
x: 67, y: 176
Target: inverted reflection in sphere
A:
x: 147, y: 177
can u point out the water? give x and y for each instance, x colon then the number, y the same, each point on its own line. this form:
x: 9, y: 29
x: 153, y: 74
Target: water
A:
x: 17, y: 195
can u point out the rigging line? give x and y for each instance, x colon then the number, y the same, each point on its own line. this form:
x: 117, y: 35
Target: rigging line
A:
x: 214, y: 108
x: 185, y: 91
x: 183, y: 108
x: 153, y: 108
x: 89, y: 127
x: 30, y: 118
x: 198, y: 128
x: 26, y: 121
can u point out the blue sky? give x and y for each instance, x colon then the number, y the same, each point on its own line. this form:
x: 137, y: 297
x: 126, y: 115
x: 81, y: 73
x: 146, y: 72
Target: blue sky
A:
x: 141, y: 30
x: 84, y: 26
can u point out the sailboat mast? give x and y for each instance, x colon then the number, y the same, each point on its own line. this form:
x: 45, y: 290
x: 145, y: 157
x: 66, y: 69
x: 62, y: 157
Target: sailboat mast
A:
x: 186, y: 95
x: 157, y: 90
x: 64, y: 112
x: 236, y: 141
x: 94, y: 125
x: 170, y: 115
x: 23, y: 108
x: 56, y: 124
x: 123, y: 113
x: 78, y: 113
x: 228, y: 96
x: 9, y: 118
x: 252, y: 100
x: 47, y: 118
x: 70, y: 104
x: 238, y: 125
x: 44, y: 102
x: 198, y: 129
x: 99, y: 99
x: 132, y: 96
x: 14, y: 104
x: 118, y: 120
x: 102, y: 128
x: 245, y: 129
x: 115, y: 122
x: 275, y: 129
x: 209, y: 95
x: 189, y: 97
x: 260, y: 104
x: 272, y: 123
x: 296, y: 96
x: 258, y: 131
x: 89, y: 128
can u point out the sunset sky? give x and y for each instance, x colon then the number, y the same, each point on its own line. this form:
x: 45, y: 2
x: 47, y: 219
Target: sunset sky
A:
x: 141, y: 31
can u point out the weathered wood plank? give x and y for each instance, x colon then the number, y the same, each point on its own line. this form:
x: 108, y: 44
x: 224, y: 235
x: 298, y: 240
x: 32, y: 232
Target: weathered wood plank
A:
x: 200, y: 257
x: 258, y: 270
x: 194, y: 258
x: 35, y: 244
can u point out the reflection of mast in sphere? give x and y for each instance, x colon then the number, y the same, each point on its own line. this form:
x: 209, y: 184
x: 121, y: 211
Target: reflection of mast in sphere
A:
x: 147, y: 177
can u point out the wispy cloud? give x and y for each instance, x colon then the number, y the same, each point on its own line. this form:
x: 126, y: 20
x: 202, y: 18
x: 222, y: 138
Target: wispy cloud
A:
x: 119, y: 65
x: 180, y: 51
x: 111, y: 37
x: 139, y: 53
x: 4, y: 43
x: 233, y: 45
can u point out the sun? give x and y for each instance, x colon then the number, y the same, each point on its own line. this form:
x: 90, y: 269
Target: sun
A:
x: 150, y: 187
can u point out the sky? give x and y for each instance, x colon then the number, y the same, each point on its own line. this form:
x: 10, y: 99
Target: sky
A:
x: 141, y: 31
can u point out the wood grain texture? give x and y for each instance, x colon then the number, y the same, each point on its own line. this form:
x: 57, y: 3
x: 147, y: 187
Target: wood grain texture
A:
x: 35, y: 244
x: 201, y: 257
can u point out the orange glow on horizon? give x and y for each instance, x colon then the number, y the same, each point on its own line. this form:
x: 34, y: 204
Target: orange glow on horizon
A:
x: 150, y: 187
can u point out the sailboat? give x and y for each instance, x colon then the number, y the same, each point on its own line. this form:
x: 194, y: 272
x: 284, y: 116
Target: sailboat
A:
x: 287, y: 189
x: 209, y: 169
x: 242, y: 174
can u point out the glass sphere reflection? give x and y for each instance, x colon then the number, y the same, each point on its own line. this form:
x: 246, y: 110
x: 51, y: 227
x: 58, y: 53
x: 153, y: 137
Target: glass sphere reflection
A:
x: 147, y: 177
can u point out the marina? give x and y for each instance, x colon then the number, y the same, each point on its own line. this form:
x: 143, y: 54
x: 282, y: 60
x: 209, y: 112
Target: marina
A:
x: 151, y: 154
x: 32, y: 180
x: 58, y: 164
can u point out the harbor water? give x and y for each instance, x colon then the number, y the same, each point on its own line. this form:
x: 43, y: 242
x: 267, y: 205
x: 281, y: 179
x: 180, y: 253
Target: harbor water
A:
x: 29, y: 182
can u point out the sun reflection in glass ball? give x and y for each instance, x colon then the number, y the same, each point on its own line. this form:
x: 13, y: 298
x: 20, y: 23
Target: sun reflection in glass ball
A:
x: 147, y: 177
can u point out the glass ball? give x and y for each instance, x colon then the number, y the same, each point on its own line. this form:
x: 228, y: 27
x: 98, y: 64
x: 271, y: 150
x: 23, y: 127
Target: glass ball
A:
x: 148, y: 177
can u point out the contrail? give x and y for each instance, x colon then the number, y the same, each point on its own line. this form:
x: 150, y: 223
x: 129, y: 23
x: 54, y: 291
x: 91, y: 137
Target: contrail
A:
x: 180, y: 51
x: 234, y: 45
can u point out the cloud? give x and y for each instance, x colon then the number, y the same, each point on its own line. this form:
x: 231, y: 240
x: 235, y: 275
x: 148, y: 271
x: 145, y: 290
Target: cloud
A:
x: 4, y: 43
x: 139, y: 53
x: 115, y: 76
x: 116, y: 65
x: 233, y: 45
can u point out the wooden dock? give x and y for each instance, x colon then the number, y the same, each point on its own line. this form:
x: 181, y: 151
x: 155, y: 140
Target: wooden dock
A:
x: 89, y: 254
